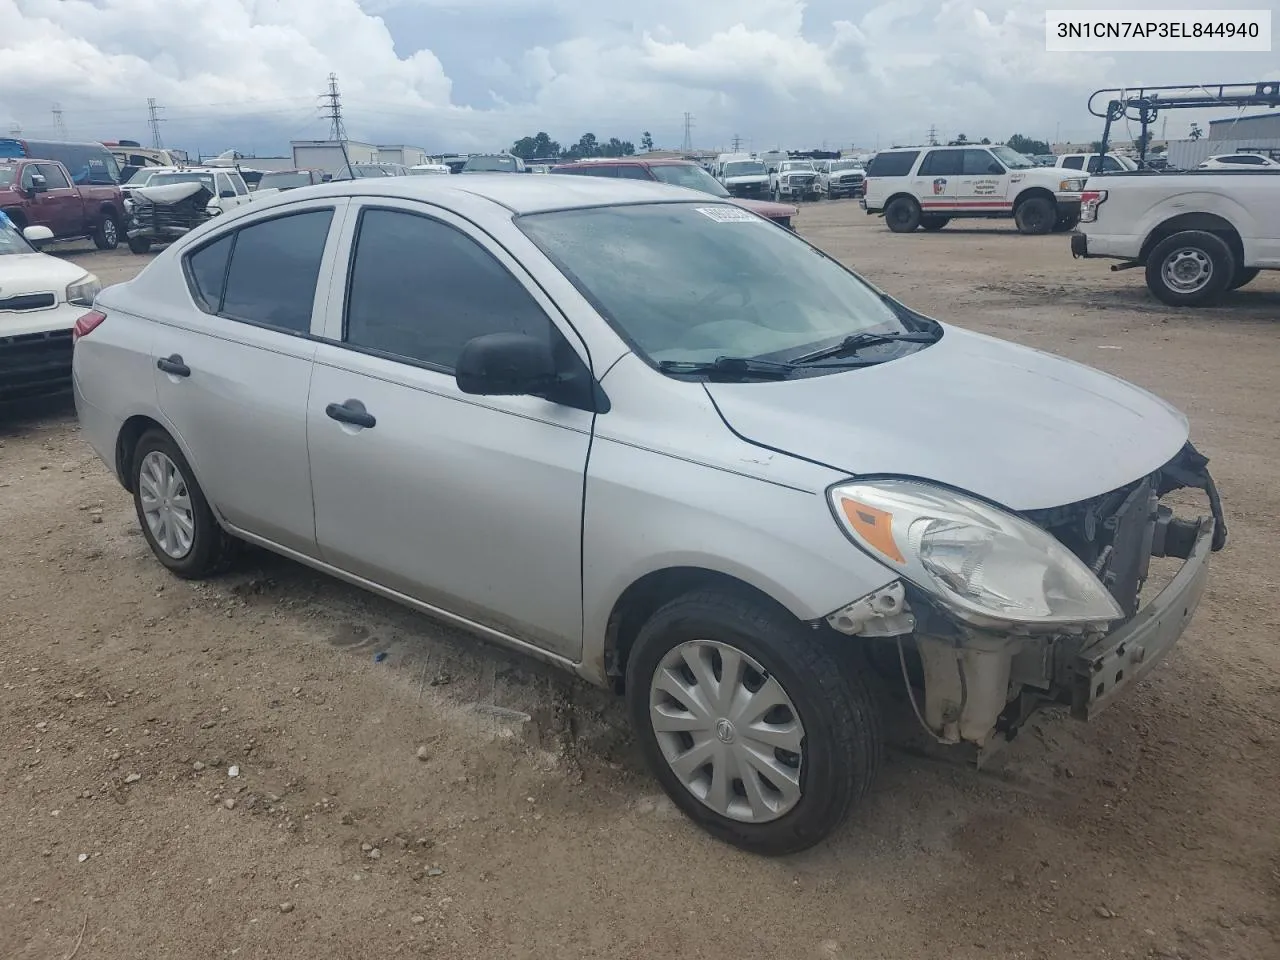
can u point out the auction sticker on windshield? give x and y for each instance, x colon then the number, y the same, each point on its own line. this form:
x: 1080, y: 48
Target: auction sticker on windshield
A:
x: 729, y: 215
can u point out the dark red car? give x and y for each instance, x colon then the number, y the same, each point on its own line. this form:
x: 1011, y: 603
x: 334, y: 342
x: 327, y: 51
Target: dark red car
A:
x: 678, y: 173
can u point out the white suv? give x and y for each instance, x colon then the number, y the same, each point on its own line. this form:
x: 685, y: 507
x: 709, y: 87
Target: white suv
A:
x: 928, y: 186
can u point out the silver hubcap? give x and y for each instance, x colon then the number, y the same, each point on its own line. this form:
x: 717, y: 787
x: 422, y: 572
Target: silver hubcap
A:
x: 109, y: 230
x: 728, y: 730
x: 166, y: 504
x: 1187, y: 270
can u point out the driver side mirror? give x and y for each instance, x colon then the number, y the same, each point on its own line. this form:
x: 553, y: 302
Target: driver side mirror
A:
x: 505, y: 365
x: 38, y: 184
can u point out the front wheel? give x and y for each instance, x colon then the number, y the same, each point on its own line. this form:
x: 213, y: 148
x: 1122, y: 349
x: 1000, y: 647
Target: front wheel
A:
x: 139, y: 245
x: 934, y: 223
x: 107, y: 234
x: 1035, y: 215
x: 902, y: 215
x: 1190, y: 268
x: 749, y: 723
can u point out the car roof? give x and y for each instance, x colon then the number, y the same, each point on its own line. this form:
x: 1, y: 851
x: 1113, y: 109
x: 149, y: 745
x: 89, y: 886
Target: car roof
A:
x: 626, y: 162
x: 519, y: 193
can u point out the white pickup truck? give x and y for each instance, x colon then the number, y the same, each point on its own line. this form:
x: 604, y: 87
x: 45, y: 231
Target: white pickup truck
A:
x: 1198, y: 234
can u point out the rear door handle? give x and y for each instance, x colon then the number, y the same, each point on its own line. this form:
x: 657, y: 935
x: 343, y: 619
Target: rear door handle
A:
x: 174, y: 366
x: 352, y: 412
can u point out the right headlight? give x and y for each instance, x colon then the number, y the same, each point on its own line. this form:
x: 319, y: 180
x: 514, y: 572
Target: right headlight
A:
x: 986, y: 565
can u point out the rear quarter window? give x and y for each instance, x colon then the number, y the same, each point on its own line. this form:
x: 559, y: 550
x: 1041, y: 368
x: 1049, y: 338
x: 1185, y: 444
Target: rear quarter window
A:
x: 896, y: 164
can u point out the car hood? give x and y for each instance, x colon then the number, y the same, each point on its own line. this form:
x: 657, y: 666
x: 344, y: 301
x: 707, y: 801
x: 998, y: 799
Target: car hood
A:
x: 1014, y: 425
x: 767, y: 208
x: 22, y: 273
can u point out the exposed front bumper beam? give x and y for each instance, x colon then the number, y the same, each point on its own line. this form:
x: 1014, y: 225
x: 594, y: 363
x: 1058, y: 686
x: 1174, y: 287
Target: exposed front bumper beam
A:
x: 1127, y: 654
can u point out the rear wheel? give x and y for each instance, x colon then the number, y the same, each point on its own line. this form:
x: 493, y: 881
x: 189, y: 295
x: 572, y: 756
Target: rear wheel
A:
x: 902, y: 215
x: 107, y: 234
x: 139, y: 244
x: 1035, y: 215
x: 175, y: 517
x: 1190, y: 268
x: 1244, y: 275
x: 749, y: 723
x: 934, y: 223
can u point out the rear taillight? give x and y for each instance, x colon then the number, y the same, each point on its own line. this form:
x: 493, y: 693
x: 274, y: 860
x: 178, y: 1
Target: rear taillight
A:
x: 1090, y: 200
x: 87, y: 324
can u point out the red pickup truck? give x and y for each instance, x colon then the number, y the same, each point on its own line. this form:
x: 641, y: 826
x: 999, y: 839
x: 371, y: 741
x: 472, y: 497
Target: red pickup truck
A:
x: 40, y: 193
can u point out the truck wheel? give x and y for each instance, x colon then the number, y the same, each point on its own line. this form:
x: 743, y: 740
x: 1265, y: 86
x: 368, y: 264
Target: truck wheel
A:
x: 139, y: 244
x: 902, y: 215
x: 749, y: 722
x: 1190, y: 268
x: 1035, y: 215
x: 934, y: 223
x: 1244, y: 275
x: 107, y: 235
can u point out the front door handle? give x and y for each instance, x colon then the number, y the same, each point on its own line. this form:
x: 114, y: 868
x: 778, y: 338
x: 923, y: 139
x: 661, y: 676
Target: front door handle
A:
x: 352, y: 412
x: 174, y: 366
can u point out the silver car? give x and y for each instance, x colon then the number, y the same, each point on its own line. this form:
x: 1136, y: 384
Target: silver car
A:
x: 654, y: 439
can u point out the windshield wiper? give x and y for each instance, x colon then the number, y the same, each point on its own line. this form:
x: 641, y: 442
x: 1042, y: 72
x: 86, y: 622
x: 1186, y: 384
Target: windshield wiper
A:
x: 730, y: 368
x: 855, y: 342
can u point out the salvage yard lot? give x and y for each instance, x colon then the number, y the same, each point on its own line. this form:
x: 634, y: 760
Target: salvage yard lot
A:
x: 452, y: 800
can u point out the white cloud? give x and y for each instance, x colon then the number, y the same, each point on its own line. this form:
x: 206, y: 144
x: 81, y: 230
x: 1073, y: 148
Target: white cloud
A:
x: 480, y: 73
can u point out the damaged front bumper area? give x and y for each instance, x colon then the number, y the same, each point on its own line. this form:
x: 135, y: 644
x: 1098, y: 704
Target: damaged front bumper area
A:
x: 981, y: 685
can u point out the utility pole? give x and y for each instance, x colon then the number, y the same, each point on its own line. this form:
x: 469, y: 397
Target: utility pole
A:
x: 933, y: 135
x: 58, y: 123
x: 333, y: 110
x: 154, y: 119
x: 686, y: 145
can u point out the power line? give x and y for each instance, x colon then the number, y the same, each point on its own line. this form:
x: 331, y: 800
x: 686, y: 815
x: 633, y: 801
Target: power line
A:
x: 154, y: 119
x: 58, y: 124
x: 686, y: 146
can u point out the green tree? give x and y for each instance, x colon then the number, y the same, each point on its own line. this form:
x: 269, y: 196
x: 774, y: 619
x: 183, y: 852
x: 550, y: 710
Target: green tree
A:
x: 984, y: 140
x: 646, y: 141
x: 1142, y: 141
x: 539, y: 145
x: 1027, y: 146
x: 1096, y: 146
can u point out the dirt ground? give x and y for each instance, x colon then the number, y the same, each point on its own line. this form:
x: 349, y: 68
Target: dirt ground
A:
x: 392, y: 799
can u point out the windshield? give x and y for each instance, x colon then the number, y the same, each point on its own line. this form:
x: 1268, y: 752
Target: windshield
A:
x: 744, y: 168
x: 491, y: 164
x: 160, y: 179
x: 845, y: 165
x: 688, y: 282
x: 693, y: 177
x: 283, y: 181
x: 1011, y: 158
x: 140, y: 177
x: 11, y: 239
x: 796, y: 165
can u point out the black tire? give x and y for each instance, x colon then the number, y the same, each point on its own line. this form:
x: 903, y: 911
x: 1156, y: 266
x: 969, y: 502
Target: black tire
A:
x: 1035, y: 215
x: 139, y: 245
x: 902, y: 215
x: 212, y: 548
x: 107, y: 234
x: 1065, y: 224
x: 776, y: 194
x: 843, y: 745
x: 1197, y: 248
x: 934, y: 223
x: 1244, y: 275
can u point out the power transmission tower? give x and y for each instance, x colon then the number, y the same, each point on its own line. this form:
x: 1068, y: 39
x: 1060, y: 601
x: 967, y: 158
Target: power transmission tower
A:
x: 737, y: 143
x: 58, y: 123
x: 933, y: 136
x: 686, y: 145
x: 332, y: 106
x: 154, y: 119
x: 333, y: 109
x: 15, y: 130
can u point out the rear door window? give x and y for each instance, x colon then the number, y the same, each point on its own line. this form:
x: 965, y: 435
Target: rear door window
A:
x: 943, y: 163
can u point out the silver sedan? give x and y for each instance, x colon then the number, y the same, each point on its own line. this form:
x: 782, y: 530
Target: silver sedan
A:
x: 650, y: 437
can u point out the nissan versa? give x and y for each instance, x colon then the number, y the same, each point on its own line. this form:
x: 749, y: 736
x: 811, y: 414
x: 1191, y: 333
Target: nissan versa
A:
x: 655, y: 439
